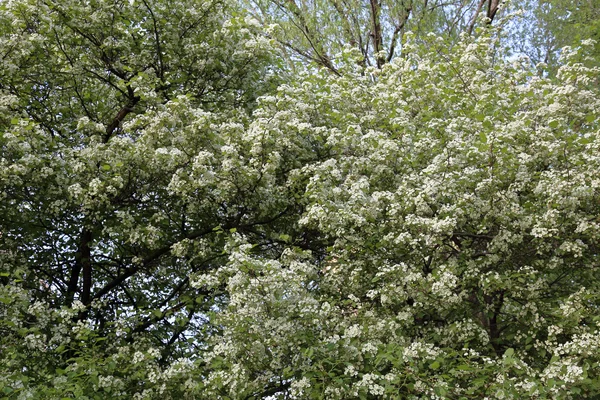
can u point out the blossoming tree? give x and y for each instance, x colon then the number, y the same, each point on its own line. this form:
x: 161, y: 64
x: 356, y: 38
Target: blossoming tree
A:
x: 174, y: 227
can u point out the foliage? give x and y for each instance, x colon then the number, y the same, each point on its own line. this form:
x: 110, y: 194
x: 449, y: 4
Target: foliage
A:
x: 174, y: 227
x: 459, y: 195
x: 108, y: 109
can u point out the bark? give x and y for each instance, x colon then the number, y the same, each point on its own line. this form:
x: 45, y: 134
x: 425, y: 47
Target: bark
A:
x: 86, y: 264
x: 488, y: 314
x: 492, y: 9
x: 397, y: 30
x: 474, y: 17
x: 376, y: 33
x: 83, y: 264
x: 116, y: 122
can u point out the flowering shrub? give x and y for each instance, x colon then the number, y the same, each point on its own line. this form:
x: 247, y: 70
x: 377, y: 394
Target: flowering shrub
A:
x: 457, y: 194
x: 424, y: 230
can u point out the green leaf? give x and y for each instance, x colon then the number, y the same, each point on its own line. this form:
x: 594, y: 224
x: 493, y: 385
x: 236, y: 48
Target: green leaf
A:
x: 106, y: 167
x: 509, y: 352
x: 553, y: 124
x: 435, y: 365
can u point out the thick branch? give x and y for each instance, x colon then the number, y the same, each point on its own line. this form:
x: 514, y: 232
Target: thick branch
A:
x: 73, y: 282
x: 497, y: 302
x: 492, y: 9
x: 116, y: 122
x: 376, y: 33
x: 83, y: 263
x: 86, y: 262
x: 399, y: 28
x: 474, y: 17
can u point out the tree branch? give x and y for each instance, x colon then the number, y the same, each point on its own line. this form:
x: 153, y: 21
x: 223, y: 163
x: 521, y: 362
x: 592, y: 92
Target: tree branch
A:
x: 376, y: 33
x: 474, y: 17
x: 397, y: 30
x: 116, y: 122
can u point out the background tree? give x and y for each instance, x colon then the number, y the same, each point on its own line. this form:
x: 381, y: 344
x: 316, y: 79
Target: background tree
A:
x: 319, y: 30
x: 548, y: 26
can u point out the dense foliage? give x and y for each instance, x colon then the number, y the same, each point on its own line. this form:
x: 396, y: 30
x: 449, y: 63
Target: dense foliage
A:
x: 175, y: 225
